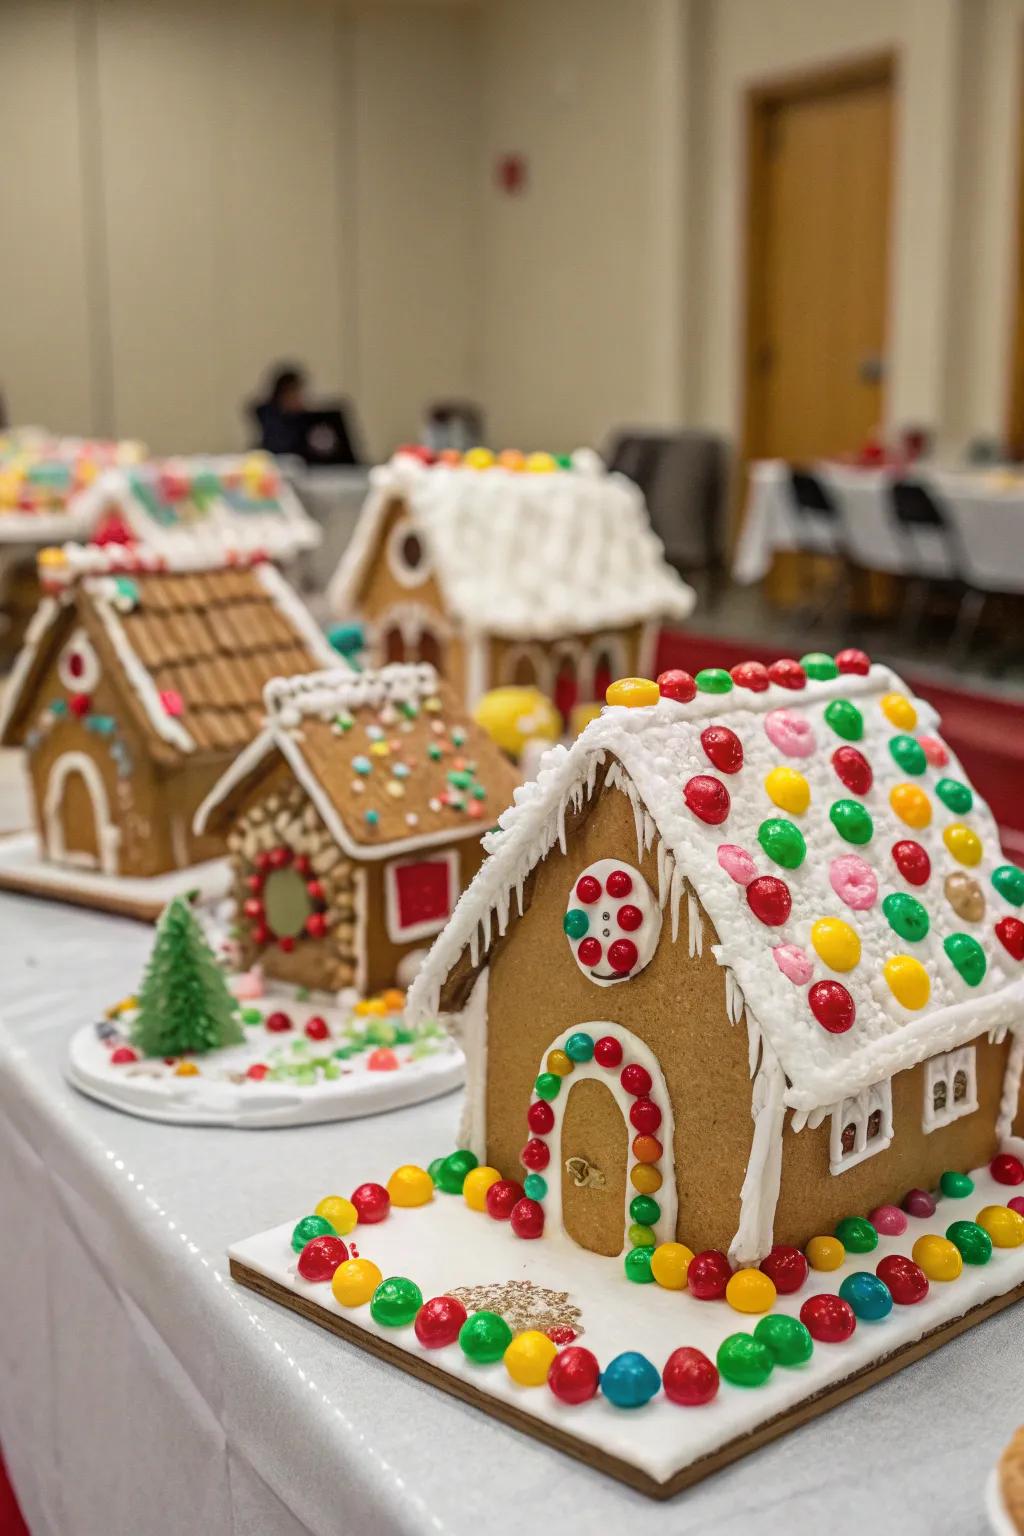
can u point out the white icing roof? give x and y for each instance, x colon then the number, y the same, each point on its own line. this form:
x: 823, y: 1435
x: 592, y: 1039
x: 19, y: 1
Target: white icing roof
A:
x: 524, y: 555
x: 659, y: 749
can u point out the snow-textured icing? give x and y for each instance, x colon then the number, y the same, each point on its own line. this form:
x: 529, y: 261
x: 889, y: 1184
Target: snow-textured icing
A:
x: 656, y: 750
x: 525, y: 555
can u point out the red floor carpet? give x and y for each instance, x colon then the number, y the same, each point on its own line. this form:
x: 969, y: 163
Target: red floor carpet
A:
x: 11, y: 1523
x: 987, y: 734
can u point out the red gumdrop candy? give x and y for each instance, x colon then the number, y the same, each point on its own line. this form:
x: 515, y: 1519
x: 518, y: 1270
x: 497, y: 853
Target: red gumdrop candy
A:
x: 527, y: 1218
x: 257, y: 1071
x: 853, y: 769
x: 708, y: 1275
x: 832, y: 1006
x: 1010, y: 933
x: 912, y: 861
x: 708, y: 798
x: 321, y: 1257
x: 372, y: 1201
x: 676, y: 684
x: 907, y: 1282
x: 502, y: 1197
x: 574, y: 1375
x: 752, y: 675
x: 786, y: 1268
x: 561, y: 1333
x: 857, y: 662
x: 619, y: 884
x: 828, y: 1319
x: 438, y: 1321
x: 622, y: 956
x: 635, y: 1079
x: 1007, y: 1169
x: 689, y: 1378
x: 645, y: 1116
x: 535, y: 1154
x: 630, y: 918
x: 723, y: 748
x: 588, y: 889
x: 590, y: 951
x: 787, y: 674
x: 123, y: 1056
x: 540, y: 1117
x: 607, y: 1051
x: 769, y: 899
x: 277, y: 1023
x: 316, y: 1028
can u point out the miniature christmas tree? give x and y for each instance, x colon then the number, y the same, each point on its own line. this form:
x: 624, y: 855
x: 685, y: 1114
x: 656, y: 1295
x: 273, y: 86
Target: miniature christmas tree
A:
x: 184, y: 1002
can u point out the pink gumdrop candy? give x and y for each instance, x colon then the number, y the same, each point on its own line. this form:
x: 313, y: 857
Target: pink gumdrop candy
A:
x: 737, y: 863
x: 790, y: 732
x: 248, y: 986
x: 793, y: 963
x: 854, y: 881
x: 889, y: 1220
x: 1017, y: 1204
x: 934, y: 750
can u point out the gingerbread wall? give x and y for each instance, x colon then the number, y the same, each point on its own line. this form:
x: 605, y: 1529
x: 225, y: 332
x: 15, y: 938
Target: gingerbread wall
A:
x: 503, y: 654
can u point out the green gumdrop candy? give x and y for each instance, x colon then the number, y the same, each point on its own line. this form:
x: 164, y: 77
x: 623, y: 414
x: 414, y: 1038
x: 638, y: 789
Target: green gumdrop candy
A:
x: 484, y: 1337
x: 972, y: 1241
x: 744, y: 1360
x: 452, y: 1173
x: 308, y: 1228
x: 851, y: 821
x: 713, y: 680
x: 1009, y: 882
x: 967, y: 956
x: 908, y: 754
x: 395, y: 1302
x: 906, y: 915
x: 638, y: 1265
x: 856, y: 1234
x: 956, y: 797
x: 782, y: 841
x: 786, y: 1338
x: 845, y: 719
x: 819, y: 666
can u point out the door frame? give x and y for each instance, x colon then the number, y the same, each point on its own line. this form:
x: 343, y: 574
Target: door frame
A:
x: 1015, y: 362
x: 762, y: 99
x: 107, y: 834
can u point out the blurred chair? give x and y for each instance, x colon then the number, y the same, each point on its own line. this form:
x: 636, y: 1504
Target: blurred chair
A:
x: 817, y: 525
x: 934, y: 561
x: 455, y: 424
x: 683, y: 478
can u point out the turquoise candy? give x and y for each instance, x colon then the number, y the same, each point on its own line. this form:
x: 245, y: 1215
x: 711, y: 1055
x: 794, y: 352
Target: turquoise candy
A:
x: 575, y: 922
x: 630, y: 1380
x: 870, y: 1297
x: 580, y: 1047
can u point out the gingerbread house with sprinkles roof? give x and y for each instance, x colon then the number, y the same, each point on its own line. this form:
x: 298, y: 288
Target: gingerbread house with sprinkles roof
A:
x: 743, y: 960
x: 533, y: 571
x: 354, y: 819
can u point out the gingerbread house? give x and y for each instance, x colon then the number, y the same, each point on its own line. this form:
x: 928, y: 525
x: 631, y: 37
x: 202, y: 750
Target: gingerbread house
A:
x: 538, y: 572
x: 354, y: 819
x: 748, y: 950
x: 138, y: 682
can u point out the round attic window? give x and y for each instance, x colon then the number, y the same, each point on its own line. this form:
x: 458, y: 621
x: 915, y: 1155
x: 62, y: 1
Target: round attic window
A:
x: 407, y: 555
x: 287, y: 903
x: 79, y: 666
x: 612, y: 922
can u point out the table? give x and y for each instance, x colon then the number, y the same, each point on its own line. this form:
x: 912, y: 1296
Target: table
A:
x: 143, y: 1392
x: 333, y: 497
x: 987, y: 510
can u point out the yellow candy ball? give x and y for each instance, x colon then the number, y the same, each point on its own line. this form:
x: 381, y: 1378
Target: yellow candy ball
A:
x: 825, y: 1253
x: 938, y: 1257
x: 476, y: 1184
x: 410, y: 1185
x: 341, y: 1213
x: 186, y: 1069
x: 479, y: 458
x: 540, y: 463
x: 354, y: 1282
x: 633, y: 692
x: 1004, y: 1227
x: 899, y: 711
x: 789, y: 790
x: 908, y: 981
x: 645, y: 1178
x: 559, y: 1063
x: 669, y: 1264
x: 528, y: 1358
x: 911, y: 804
x: 837, y: 944
x: 750, y: 1291
x: 963, y: 843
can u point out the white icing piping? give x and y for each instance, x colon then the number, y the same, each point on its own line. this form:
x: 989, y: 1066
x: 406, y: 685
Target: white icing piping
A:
x: 288, y: 603
x: 166, y: 726
x: 288, y: 700
x: 469, y: 1028
x: 1009, y: 1103
x: 759, y: 1194
x: 42, y: 620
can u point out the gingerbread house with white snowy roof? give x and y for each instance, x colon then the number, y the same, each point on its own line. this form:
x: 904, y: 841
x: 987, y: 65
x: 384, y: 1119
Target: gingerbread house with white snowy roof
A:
x: 744, y: 959
x: 509, y: 570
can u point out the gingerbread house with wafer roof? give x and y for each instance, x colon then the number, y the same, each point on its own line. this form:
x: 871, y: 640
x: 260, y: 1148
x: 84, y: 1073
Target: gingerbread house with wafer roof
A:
x: 743, y: 960
x: 354, y: 820
x: 539, y: 572
x: 141, y: 677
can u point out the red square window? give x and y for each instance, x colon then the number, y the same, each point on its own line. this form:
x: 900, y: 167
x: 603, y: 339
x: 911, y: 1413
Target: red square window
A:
x: 421, y: 895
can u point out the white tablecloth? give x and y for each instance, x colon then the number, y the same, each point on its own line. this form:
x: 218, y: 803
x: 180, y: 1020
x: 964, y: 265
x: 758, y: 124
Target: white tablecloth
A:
x: 143, y: 1394
x: 987, y: 510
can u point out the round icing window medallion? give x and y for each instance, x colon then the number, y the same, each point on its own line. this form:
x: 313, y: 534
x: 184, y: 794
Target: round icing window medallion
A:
x: 79, y: 666
x: 407, y: 555
x: 612, y: 922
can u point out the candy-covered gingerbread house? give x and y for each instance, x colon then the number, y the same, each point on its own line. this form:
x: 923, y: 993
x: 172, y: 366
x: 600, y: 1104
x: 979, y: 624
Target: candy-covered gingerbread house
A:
x: 744, y: 959
x: 539, y: 572
x: 354, y: 820
x: 138, y: 682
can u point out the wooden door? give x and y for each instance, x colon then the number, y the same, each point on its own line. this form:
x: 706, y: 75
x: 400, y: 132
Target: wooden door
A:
x: 78, y: 821
x: 817, y: 261
x: 594, y: 1145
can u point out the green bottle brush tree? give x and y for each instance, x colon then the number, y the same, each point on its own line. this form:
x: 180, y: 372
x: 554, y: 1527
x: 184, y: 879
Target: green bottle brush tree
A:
x: 184, y: 1001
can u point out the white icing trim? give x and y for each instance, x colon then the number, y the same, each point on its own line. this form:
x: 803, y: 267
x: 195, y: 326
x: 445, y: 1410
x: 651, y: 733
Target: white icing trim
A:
x: 469, y: 1029
x: 1009, y: 1103
x: 476, y: 650
x: 943, y: 1069
x: 857, y: 1111
x: 40, y: 624
x: 405, y: 574
x: 762, y: 1181
x: 79, y: 641
x: 396, y: 933
x: 361, y: 925
x: 539, y: 657
x: 107, y: 834
x: 645, y: 938
x: 166, y: 726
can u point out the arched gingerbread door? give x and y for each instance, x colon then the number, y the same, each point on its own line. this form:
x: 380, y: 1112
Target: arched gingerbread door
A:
x: 81, y: 836
x: 594, y: 1150
x: 394, y: 644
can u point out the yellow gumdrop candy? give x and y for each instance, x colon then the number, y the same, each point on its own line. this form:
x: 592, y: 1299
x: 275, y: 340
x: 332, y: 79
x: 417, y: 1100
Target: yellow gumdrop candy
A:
x: 938, y: 1257
x: 528, y: 1358
x: 354, y: 1282
x: 750, y: 1291
x: 633, y: 692
x: 1004, y: 1227
x: 908, y: 981
x: 911, y: 804
x: 479, y: 458
x: 540, y: 463
x: 476, y: 1184
x: 559, y: 1063
x: 669, y: 1264
x: 963, y: 843
x: 837, y: 944
x: 341, y: 1213
x: 825, y: 1253
x: 645, y: 1178
x: 899, y: 711
x: 789, y: 790
x: 186, y: 1069
x: 410, y: 1185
